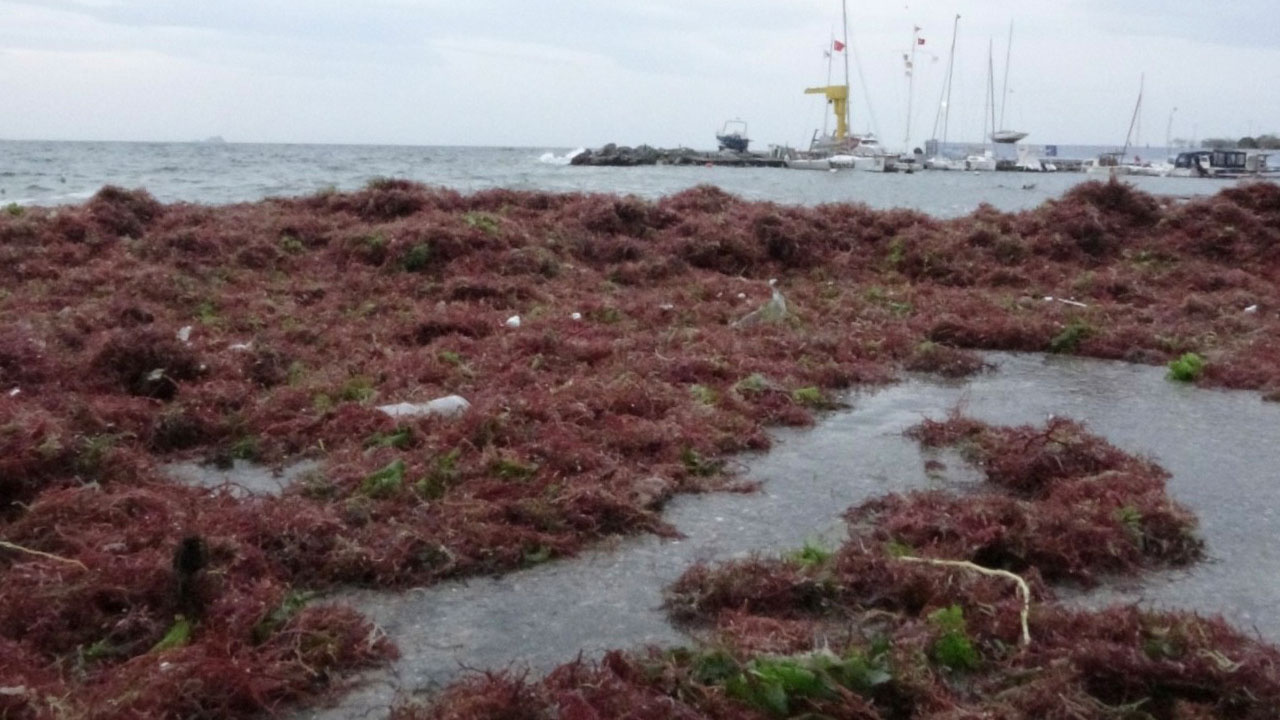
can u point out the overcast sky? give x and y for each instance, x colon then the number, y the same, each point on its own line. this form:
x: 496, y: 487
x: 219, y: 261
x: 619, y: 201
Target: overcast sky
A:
x: 564, y: 73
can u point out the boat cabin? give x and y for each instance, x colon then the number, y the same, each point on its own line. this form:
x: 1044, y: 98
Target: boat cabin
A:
x: 1220, y: 162
x: 733, y: 136
x: 1110, y: 159
x: 1206, y: 159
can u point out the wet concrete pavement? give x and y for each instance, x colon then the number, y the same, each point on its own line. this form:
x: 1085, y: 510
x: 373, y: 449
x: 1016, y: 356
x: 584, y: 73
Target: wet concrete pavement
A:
x: 1223, y: 449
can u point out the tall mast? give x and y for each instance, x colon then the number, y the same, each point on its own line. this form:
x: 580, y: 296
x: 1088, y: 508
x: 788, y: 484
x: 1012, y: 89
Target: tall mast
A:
x: 951, y: 65
x: 991, y: 94
x: 844, y: 24
x: 1004, y: 94
x: 830, y: 60
x: 1142, y: 81
x: 911, y: 80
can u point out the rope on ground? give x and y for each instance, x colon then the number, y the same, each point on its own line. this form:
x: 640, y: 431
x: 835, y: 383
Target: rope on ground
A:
x: 39, y: 553
x: 1024, y: 590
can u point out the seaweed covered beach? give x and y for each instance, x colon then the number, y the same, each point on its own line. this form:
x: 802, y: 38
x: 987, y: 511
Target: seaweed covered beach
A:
x: 612, y: 352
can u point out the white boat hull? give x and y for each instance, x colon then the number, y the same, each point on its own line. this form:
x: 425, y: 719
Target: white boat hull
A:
x: 865, y: 163
x: 1151, y: 170
x: 941, y: 163
x: 980, y: 163
x: 809, y: 163
x: 1091, y: 169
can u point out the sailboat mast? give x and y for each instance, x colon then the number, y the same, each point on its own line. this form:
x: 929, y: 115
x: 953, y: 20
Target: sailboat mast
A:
x: 1142, y: 81
x: 911, y: 81
x: 844, y: 24
x: 830, y: 60
x: 1004, y: 94
x: 951, y: 65
x: 829, y: 51
x: 944, y: 98
x: 991, y: 94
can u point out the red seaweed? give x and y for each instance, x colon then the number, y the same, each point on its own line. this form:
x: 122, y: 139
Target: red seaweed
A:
x: 306, y: 313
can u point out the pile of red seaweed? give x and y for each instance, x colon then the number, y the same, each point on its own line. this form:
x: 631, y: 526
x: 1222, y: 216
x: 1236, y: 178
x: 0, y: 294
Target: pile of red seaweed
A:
x: 893, y: 624
x: 134, y: 333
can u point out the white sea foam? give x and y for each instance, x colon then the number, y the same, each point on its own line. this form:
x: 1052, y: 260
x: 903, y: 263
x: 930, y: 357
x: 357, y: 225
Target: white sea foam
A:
x: 551, y: 158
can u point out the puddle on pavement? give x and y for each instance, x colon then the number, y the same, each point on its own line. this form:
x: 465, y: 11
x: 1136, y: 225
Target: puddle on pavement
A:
x: 1223, y: 449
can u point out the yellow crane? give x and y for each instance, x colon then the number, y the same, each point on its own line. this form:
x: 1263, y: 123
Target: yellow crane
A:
x: 838, y: 95
x: 838, y: 99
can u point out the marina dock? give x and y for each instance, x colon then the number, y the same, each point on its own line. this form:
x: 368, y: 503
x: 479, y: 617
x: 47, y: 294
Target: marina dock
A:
x: 613, y: 155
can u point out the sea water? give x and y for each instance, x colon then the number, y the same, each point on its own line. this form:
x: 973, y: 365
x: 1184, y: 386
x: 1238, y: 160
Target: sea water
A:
x: 55, y: 173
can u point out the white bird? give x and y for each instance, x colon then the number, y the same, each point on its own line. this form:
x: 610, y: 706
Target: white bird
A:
x: 771, y: 312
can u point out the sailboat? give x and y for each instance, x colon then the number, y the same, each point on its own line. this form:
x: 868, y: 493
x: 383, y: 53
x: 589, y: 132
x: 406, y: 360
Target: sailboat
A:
x: 908, y: 159
x: 841, y: 149
x: 1160, y: 169
x: 937, y: 161
x: 1004, y: 135
x: 986, y: 162
x: 1112, y: 163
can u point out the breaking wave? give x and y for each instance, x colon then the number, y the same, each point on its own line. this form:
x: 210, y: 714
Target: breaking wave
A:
x: 551, y: 158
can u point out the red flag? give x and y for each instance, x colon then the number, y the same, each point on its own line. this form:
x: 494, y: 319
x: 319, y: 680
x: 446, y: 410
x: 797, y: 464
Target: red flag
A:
x: 837, y: 45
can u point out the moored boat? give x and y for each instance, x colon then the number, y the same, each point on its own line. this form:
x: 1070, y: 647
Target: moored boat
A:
x: 980, y: 162
x: 733, y: 136
x: 1107, y: 163
x: 1221, y: 164
x: 935, y: 160
x: 985, y: 161
x: 939, y: 162
x: 1006, y: 136
x: 840, y: 150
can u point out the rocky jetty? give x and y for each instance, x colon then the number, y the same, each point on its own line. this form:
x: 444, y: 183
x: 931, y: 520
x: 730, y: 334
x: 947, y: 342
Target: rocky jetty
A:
x: 613, y: 155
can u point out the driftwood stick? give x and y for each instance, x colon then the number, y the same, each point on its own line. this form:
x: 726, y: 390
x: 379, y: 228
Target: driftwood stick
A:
x: 39, y: 553
x: 1024, y: 590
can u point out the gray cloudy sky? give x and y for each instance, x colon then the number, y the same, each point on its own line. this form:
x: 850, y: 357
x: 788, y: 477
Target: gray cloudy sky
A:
x: 586, y: 72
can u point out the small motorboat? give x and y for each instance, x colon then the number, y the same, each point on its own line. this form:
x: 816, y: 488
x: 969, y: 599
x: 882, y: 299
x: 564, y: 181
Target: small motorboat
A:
x: 980, y: 162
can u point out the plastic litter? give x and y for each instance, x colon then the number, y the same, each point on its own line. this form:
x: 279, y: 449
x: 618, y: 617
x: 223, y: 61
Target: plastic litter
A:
x: 1251, y: 309
x: 447, y: 406
x: 184, y: 335
x: 576, y: 316
x: 1073, y: 303
x: 513, y: 321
